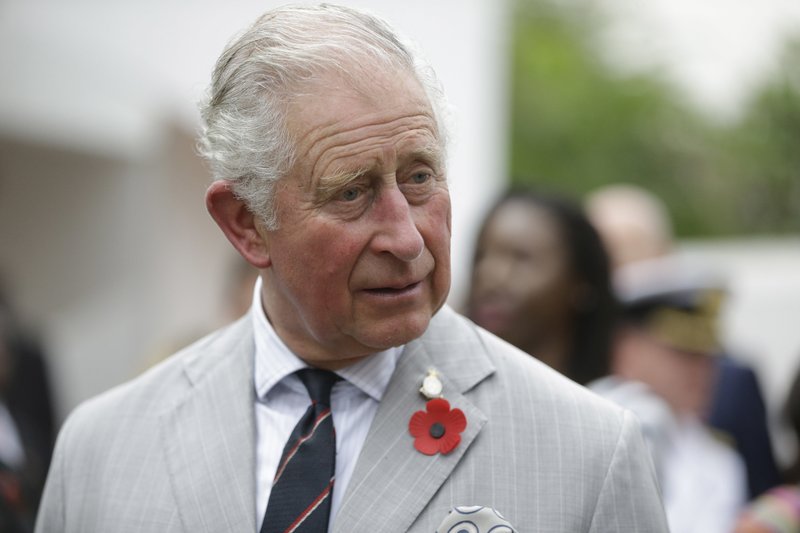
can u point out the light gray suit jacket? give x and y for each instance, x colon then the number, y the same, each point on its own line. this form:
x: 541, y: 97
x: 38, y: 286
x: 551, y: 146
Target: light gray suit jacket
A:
x: 174, y: 450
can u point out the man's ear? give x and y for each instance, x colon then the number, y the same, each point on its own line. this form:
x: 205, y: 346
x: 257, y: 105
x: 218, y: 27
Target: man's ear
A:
x: 240, y: 226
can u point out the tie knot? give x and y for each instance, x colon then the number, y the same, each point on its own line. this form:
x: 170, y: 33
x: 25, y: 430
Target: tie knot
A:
x: 318, y: 383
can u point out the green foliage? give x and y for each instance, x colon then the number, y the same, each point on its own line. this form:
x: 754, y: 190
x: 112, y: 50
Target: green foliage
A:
x: 761, y: 154
x: 577, y: 124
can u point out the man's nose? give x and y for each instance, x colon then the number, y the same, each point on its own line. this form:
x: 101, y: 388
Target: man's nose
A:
x: 397, y: 231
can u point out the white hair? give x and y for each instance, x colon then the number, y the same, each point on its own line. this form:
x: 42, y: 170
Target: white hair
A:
x: 245, y: 135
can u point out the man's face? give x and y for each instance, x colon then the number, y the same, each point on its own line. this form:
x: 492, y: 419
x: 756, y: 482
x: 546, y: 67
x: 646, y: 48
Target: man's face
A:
x: 361, y: 260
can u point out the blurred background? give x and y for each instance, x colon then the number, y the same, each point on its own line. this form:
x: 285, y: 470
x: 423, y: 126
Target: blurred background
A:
x: 109, y: 259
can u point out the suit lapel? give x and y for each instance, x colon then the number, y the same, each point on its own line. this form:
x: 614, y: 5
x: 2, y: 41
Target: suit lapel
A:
x: 211, y: 461
x: 392, y: 482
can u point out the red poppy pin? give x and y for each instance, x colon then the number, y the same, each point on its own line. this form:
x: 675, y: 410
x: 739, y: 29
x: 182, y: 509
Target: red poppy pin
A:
x: 439, y: 429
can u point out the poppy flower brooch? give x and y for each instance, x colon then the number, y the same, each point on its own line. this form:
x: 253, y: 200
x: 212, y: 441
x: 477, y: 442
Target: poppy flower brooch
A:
x: 438, y: 428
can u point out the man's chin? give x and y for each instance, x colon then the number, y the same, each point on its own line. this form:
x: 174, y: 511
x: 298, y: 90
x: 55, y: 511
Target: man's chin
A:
x: 396, y: 332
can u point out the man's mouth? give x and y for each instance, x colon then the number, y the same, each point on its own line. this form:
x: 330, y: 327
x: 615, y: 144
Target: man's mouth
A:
x: 394, y: 291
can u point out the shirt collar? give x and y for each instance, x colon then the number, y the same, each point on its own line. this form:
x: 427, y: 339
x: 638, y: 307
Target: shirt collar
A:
x: 274, y: 360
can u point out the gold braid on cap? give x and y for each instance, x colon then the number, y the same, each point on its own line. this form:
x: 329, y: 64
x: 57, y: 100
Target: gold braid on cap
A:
x: 693, y: 330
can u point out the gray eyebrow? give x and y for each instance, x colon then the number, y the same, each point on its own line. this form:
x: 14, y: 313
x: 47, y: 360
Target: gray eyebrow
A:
x: 328, y: 185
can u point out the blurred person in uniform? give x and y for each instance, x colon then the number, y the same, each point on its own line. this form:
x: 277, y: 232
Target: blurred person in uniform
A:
x: 541, y: 281
x: 635, y: 226
x: 667, y: 341
x: 778, y: 510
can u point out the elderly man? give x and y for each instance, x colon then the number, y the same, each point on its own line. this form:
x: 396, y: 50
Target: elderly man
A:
x: 325, y: 137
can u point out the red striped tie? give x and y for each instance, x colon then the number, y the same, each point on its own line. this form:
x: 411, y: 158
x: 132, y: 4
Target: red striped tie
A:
x: 300, y: 500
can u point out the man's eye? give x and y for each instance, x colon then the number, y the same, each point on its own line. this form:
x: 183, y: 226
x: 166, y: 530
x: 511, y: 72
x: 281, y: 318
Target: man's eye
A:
x: 420, y: 177
x: 348, y: 195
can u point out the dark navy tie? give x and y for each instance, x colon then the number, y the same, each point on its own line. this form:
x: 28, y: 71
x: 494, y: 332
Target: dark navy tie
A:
x: 300, y: 500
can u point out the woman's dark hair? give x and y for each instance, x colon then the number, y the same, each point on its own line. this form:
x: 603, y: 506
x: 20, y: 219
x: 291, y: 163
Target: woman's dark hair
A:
x: 596, y: 316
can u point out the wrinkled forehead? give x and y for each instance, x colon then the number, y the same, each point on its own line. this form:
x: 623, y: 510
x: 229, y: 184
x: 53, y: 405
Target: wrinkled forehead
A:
x: 356, y: 95
x: 367, y: 77
x: 342, y: 131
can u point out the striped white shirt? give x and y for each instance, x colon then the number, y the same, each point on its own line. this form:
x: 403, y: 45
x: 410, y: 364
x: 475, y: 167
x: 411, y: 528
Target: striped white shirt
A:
x: 281, y: 400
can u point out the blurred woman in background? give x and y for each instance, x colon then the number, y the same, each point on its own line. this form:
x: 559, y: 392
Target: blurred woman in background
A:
x: 540, y: 281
